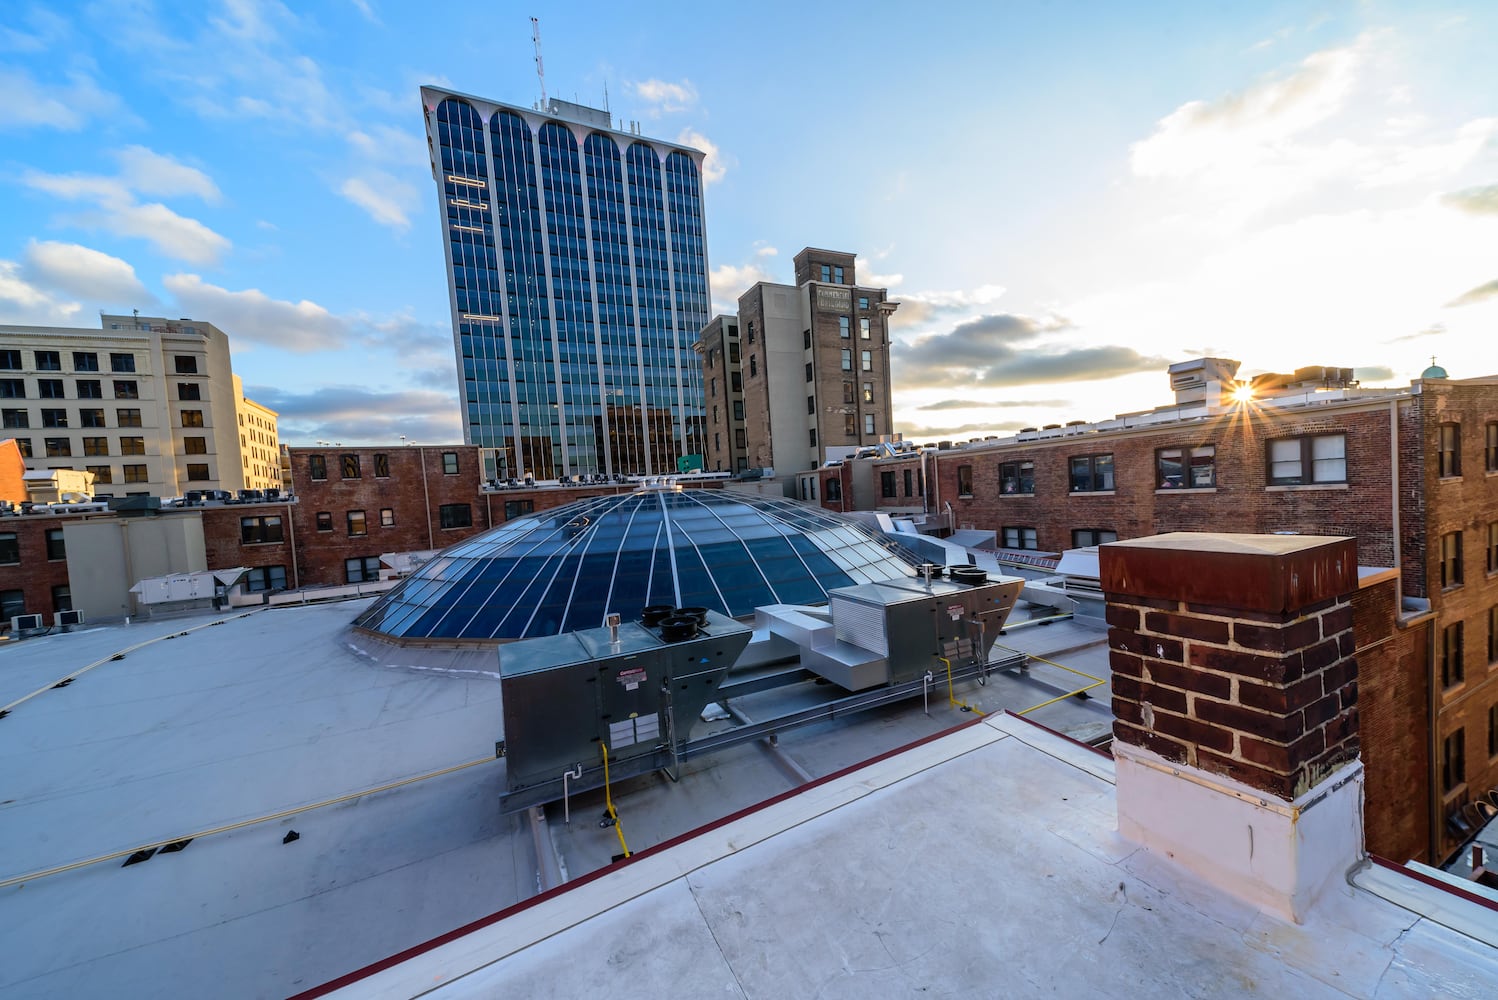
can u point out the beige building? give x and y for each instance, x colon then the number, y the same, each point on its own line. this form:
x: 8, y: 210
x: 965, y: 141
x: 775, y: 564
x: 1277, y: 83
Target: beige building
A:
x: 727, y: 447
x: 814, y: 365
x: 259, y: 451
x: 148, y: 405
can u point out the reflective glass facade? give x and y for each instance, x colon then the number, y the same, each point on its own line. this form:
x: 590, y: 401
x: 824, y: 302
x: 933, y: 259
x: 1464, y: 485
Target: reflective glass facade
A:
x: 567, y: 568
x: 578, y: 271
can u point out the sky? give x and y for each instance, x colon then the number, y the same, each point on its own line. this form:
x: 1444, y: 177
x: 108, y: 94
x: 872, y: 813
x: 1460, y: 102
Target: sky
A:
x: 1065, y: 198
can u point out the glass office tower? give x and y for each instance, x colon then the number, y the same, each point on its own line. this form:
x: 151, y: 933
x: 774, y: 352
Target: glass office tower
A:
x: 577, y: 270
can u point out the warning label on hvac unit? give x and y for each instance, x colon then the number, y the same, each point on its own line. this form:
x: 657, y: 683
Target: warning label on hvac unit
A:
x: 632, y: 678
x: 954, y: 611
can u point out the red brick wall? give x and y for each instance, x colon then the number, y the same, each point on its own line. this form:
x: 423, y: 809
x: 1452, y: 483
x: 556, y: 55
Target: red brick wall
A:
x: 1392, y: 687
x: 35, y: 575
x: 1240, y: 502
x: 224, y: 549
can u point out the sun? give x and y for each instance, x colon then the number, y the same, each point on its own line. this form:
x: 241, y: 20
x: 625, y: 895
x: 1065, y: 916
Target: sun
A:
x: 1243, y: 393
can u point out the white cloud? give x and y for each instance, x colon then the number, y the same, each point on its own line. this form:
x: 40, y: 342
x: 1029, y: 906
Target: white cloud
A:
x: 867, y: 276
x: 363, y: 7
x: 387, y: 200
x: 919, y: 308
x: 117, y: 211
x: 713, y: 164
x: 150, y: 172
x: 252, y: 317
x: 84, y: 272
x: 407, y: 146
x: 24, y: 304
x: 25, y: 102
x: 729, y: 282
x: 666, y: 96
x: 763, y: 249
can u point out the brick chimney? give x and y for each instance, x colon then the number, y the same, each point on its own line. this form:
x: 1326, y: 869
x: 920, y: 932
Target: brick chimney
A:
x: 1235, y: 699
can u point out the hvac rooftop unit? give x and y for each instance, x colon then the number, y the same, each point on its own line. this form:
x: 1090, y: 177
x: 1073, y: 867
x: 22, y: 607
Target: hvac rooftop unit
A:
x: 63, y: 619
x: 26, y: 623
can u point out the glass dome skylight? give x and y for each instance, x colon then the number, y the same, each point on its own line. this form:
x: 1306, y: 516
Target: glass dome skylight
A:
x: 568, y: 567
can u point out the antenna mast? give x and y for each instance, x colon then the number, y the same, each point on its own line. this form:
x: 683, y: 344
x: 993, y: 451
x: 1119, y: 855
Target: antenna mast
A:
x: 540, y: 70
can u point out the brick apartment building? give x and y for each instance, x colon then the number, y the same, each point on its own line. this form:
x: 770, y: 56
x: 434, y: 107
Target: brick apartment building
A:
x: 813, y: 365
x: 1411, y: 473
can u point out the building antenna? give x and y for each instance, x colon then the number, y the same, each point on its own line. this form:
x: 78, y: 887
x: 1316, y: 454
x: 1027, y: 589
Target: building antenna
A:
x: 605, y: 95
x: 540, y: 70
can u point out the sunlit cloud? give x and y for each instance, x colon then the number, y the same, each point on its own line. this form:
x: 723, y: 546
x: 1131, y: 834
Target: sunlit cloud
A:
x: 714, y: 167
x: 84, y: 272
x: 664, y: 96
x: 26, y: 102
x: 387, y: 200
x: 254, y: 318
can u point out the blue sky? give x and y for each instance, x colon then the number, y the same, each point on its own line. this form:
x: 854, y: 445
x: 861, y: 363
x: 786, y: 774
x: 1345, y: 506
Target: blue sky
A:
x: 1066, y: 197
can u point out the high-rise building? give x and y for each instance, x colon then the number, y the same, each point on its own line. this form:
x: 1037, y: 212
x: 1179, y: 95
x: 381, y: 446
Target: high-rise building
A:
x: 813, y: 359
x: 577, y: 277
x: 147, y: 404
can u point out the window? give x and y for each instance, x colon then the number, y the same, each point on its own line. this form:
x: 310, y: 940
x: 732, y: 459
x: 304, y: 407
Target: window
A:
x: 48, y: 361
x: 808, y: 371
x: 847, y: 360
x: 15, y: 418
x: 192, y: 418
x: 837, y: 275
x: 1453, y: 761
x: 356, y: 525
x: 1091, y: 474
x: 863, y: 302
x: 85, y: 361
x: 127, y: 417
x: 834, y: 488
x: 964, y: 480
x: 197, y: 472
x: 126, y: 389
x: 189, y: 390
x: 806, y: 339
x: 847, y: 392
x: 10, y: 360
x: 1303, y: 461
x: 89, y: 388
x: 1186, y: 468
x: 59, y: 448
x: 317, y: 467
x: 456, y: 515
x: 850, y: 425
x: 1020, y: 538
x: 449, y: 463
x: 54, y: 418
x: 751, y: 331
x: 136, y: 474
x: 1493, y: 634
x: 1493, y: 546
x: 811, y: 404
x: 1017, y: 478
x: 324, y: 521
x: 1449, y: 450
x: 518, y: 508
x: 10, y: 549
x: 826, y: 272
x: 887, y: 483
x: 812, y: 437
x: 49, y: 388
x: 1453, y: 666
x: 103, y: 474
x: 195, y: 446
x: 263, y: 578
x: 382, y: 465
x: 186, y: 364
x: 12, y: 603
x: 717, y: 441
x: 62, y: 597
x: 842, y: 327
x: 1451, y: 559
x: 909, y: 483
x: 868, y: 392
x: 96, y: 446
x: 753, y: 366
x: 24, y: 445
x: 362, y: 570
x: 868, y: 423
x: 132, y: 446
x: 866, y: 360
x: 1490, y: 446
x: 258, y: 530
x: 863, y: 328
x: 740, y: 438
x: 12, y: 388
x: 122, y: 362
x: 715, y: 388
x: 1083, y: 537
x: 387, y: 517
x: 735, y: 382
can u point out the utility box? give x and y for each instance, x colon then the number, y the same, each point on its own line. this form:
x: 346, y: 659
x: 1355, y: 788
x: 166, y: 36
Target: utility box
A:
x: 639, y: 696
x: 911, y: 622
